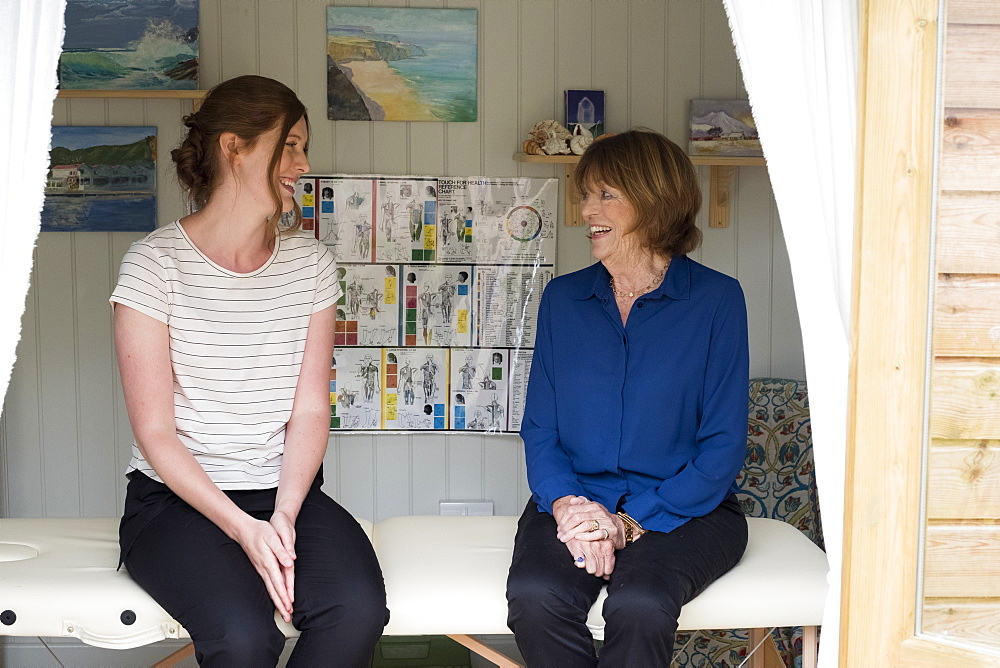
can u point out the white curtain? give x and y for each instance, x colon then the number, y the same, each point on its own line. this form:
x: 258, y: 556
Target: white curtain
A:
x: 31, y: 36
x: 799, y: 61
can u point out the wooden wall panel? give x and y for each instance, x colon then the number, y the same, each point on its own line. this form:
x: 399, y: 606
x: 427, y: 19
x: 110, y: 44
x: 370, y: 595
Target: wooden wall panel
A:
x: 968, y: 233
x: 973, y: 75
x: 967, y: 315
x: 970, y: 150
x: 961, y: 561
x: 963, y: 620
x: 65, y: 448
x: 963, y: 480
x: 964, y: 399
x: 973, y: 11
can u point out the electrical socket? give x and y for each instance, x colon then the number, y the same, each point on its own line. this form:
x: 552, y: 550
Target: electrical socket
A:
x: 459, y: 508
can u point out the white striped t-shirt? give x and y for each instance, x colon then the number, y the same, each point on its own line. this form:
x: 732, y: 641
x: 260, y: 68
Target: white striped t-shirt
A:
x: 236, y: 344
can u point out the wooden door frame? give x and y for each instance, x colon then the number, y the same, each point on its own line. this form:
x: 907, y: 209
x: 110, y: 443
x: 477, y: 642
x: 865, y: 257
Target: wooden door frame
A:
x: 898, y: 68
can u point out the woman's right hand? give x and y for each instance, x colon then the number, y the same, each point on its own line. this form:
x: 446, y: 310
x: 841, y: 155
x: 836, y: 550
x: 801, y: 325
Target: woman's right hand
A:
x: 263, y: 546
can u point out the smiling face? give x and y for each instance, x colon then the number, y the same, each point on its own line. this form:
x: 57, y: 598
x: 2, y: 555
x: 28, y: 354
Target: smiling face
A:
x: 610, y: 219
x: 255, y: 165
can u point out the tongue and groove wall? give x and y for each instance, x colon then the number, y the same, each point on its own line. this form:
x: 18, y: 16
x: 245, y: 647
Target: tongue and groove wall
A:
x: 64, y: 433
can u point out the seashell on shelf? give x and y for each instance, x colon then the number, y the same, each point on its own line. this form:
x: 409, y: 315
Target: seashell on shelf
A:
x: 580, y: 131
x: 545, y: 130
x: 555, y: 146
x: 531, y: 147
x: 579, y: 143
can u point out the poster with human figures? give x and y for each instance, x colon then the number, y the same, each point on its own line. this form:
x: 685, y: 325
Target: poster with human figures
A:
x: 441, y: 279
x: 356, y: 401
x: 368, y: 310
x: 479, y: 389
x: 416, y: 387
x: 438, y: 305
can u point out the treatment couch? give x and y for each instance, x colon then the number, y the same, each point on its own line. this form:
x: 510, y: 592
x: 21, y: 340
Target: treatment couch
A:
x: 446, y: 575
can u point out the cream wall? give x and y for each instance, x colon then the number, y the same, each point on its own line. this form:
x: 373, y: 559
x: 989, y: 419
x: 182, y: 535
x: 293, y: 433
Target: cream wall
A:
x: 64, y: 434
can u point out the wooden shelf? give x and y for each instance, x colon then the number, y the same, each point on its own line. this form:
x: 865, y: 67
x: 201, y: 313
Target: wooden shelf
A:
x: 718, y: 202
x: 145, y: 94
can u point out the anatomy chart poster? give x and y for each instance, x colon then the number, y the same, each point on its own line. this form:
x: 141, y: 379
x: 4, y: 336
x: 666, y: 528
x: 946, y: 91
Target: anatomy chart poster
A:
x: 441, y: 278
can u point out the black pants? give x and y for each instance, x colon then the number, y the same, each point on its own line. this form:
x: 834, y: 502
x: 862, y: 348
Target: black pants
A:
x: 548, y: 597
x: 205, y: 581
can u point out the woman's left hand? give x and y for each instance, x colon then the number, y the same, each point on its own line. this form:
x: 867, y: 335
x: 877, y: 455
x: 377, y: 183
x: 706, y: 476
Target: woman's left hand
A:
x: 284, y: 526
x: 578, y: 523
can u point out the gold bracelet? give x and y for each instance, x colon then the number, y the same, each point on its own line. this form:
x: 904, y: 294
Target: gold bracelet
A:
x: 630, y: 527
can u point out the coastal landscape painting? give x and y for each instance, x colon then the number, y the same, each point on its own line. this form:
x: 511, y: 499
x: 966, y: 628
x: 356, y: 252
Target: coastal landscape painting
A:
x: 130, y: 45
x: 388, y: 64
x: 101, y: 179
x: 723, y: 127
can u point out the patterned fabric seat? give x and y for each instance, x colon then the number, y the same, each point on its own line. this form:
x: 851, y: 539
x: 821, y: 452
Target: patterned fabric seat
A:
x: 778, y: 481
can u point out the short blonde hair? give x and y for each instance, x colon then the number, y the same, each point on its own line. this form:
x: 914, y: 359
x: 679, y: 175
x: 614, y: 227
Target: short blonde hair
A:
x: 658, y: 180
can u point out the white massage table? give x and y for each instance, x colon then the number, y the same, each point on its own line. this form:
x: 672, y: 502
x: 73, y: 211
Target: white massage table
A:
x: 443, y: 575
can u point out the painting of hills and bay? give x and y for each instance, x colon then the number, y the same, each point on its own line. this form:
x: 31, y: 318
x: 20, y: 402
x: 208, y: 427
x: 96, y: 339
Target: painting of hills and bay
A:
x: 130, y: 45
x: 723, y: 128
x: 401, y: 64
x: 101, y: 179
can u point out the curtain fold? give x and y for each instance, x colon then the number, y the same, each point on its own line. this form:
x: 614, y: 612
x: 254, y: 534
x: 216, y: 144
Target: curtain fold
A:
x: 799, y: 60
x: 31, y: 37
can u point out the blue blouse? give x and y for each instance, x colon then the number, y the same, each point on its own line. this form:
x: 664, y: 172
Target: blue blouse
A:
x: 649, y: 418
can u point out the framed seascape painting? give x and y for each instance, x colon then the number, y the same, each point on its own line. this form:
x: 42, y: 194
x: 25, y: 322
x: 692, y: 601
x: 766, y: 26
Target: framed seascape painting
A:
x: 130, y: 45
x: 723, y: 127
x: 401, y: 64
x: 101, y: 179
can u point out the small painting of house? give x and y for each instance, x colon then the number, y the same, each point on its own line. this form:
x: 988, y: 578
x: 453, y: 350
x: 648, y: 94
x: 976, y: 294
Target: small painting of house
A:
x: 723, y: 128
x: 101, y: 179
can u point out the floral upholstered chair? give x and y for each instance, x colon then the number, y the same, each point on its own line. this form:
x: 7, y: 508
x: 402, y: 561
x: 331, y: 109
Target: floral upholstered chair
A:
x: 777, y: 481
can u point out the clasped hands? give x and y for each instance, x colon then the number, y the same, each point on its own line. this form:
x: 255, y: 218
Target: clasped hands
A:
x: 271, y: 549
x: 591, y: 533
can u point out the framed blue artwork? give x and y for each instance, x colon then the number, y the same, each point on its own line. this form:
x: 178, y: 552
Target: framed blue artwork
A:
x: 586, y: 108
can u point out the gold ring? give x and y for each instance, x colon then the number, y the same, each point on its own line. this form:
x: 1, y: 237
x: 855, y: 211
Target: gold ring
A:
x: 607, y: 534
x: 594, y: 525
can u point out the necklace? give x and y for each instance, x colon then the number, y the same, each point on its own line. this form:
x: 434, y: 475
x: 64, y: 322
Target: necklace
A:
x: 656, y: 281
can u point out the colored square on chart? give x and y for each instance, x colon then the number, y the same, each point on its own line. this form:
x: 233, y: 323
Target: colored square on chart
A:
x: 333, y: 374
x: 468, y: 236
x: 307, y: 224
x: 463, y: 321
x: 411, y: 314
x: 333, y: 386
x: 390, y: 369
x: 341, y: 326
x: 411, y: 328
x: 308, y: 212
x: 411, y: 303
x: 352, y: 326
x: 430, y: 234
x: 411, y: 291
x: 429, y: 255
x: 326, y: 207
x: 333, y: 402
x: 438, y: 410
x: 460, y: 411
x: 459, y: 423
x: 391, y: 413
x: 439, y: 423
x: 352, y: 340
x: 390, y: 289
x: 497, y: 373
x: 463, y: 289
x: 343, y: 293
x: 335, y: 423
x: 390, y: 383
x: 391, y: 399
x: 308, y: 200
x: 430, y: 206
x: 340, y: 339
x: 411, y: 340
x: 418, y: 255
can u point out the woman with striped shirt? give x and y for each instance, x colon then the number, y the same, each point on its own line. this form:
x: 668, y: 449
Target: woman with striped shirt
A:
x: 224, y: 333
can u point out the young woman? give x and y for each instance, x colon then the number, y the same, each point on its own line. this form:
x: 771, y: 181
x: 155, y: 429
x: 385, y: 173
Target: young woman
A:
x: 224, y: 333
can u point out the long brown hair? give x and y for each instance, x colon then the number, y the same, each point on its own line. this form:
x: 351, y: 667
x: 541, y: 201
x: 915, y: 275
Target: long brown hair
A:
x: 247, y: 106
x: 658, y: 180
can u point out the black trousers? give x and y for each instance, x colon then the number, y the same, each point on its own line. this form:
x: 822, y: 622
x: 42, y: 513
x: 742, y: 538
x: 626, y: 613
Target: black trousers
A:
x: 206, y: 582
x: 548, y: 597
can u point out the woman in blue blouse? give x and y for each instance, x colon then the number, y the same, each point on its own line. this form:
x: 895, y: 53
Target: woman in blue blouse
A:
x: 635, y: 423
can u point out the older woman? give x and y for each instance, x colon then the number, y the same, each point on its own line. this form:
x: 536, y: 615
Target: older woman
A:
x: 635, y: 423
